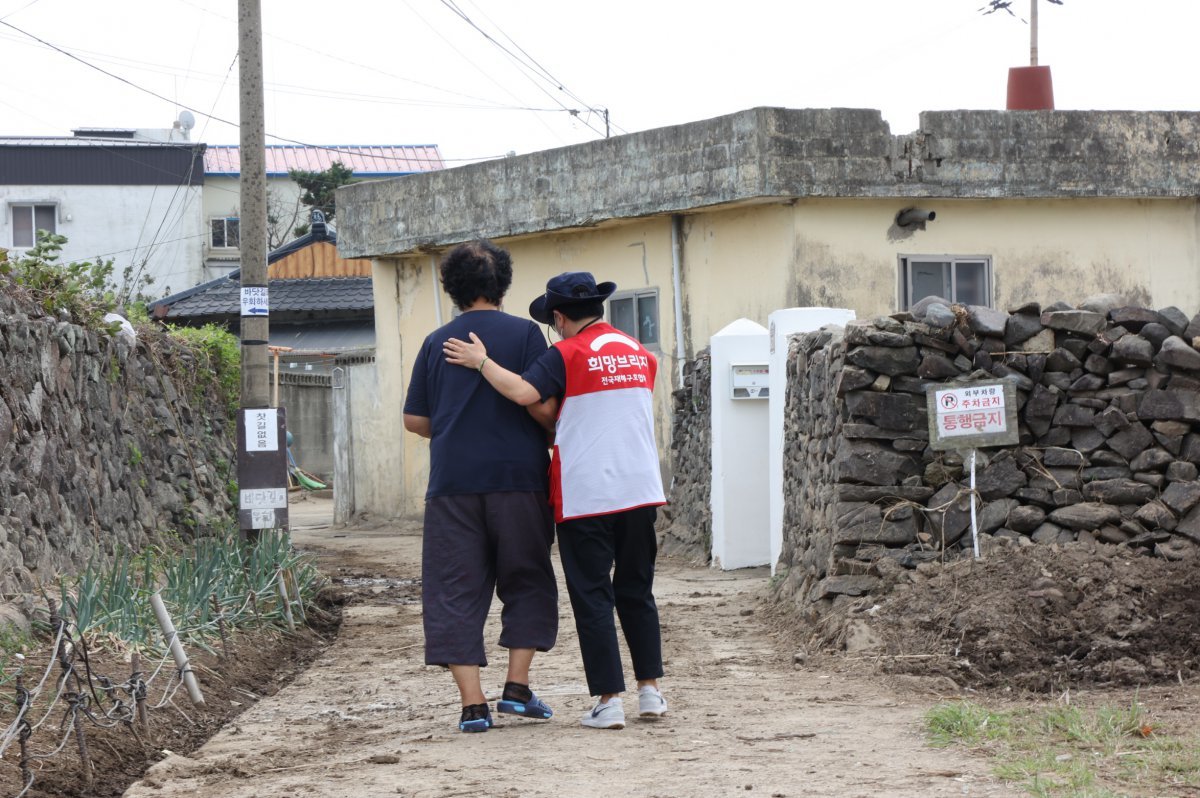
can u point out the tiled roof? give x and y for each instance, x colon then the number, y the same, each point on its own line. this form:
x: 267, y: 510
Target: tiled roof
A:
x: 363, y: 160
x: 222, y: 297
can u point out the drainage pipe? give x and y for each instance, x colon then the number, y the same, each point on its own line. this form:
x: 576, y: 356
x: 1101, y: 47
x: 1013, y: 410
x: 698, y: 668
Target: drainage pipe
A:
x: 677, y: 290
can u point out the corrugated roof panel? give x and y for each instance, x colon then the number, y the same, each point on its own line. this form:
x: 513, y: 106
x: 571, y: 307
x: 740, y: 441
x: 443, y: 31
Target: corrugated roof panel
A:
x: 370, y: 159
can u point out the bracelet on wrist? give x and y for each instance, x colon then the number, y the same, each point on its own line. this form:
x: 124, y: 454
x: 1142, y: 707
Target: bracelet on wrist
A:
x: 485, y: 359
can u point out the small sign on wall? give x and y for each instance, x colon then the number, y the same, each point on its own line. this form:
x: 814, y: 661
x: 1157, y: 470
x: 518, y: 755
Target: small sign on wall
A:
x: 261, y: 430
x: 973, y: 415
x: 262, y: 469
x: 254, y: 300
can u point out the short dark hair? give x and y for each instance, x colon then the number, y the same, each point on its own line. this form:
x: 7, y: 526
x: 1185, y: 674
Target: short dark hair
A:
x: 577, y: 311
x: 474, y: 270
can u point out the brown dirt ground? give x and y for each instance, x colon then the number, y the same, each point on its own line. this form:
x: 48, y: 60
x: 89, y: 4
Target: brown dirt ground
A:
x: 366, y: 717
x: 261, y: 663
x: 1046, y: 619
x: 370, y: 719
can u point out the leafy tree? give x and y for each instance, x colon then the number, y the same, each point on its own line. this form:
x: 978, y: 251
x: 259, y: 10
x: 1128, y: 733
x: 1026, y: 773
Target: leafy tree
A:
x: 319, y: 187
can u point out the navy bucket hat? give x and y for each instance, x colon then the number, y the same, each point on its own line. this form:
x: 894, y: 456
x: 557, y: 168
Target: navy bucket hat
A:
x: 568, y: 288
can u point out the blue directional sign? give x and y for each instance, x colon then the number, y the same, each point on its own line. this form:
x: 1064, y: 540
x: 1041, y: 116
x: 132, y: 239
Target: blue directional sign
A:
x: 254, y: 300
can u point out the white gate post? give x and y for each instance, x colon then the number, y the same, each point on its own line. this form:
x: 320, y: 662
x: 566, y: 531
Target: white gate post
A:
x: 783, y: 323
x: 740, y: 533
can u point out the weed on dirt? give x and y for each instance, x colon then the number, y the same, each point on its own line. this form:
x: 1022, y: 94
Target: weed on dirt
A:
x: 1069, y: 751
x: 260, y: 664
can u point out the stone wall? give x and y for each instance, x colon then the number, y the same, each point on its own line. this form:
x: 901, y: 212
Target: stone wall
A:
x: 1108, y: 402
x: 685, y: 524
x: 103, y: 443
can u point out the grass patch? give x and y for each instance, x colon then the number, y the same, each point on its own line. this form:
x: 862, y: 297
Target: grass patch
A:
x: 1069, y: 751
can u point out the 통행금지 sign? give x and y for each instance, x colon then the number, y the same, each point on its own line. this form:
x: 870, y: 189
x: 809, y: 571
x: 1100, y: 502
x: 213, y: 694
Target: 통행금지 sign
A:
x: 972, y: 415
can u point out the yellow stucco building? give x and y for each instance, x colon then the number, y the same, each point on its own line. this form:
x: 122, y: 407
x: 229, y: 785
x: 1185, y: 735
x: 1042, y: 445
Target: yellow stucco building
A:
x: 738, y: 216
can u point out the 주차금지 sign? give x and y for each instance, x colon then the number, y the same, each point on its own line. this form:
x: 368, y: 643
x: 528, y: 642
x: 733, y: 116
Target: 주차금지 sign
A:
x: 972, y: 415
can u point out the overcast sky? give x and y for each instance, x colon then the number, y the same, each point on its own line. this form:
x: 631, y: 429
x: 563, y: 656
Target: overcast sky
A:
x: 418, y: 72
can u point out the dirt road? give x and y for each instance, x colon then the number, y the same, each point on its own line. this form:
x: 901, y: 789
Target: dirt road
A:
x: 369, y: 719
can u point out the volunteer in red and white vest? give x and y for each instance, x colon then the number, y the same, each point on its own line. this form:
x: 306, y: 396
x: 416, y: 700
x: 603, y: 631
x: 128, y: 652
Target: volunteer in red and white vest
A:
x: 605, y: 482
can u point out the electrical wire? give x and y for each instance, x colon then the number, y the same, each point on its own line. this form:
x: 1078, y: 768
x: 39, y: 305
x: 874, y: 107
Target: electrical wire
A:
x: 211, y: 116
x: 526, y: 65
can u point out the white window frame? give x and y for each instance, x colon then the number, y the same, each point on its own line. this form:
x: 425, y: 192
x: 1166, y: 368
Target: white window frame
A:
x: 33, y: 205
x: 226, y: 220
x: 637, y: 295
x: 904, y: 283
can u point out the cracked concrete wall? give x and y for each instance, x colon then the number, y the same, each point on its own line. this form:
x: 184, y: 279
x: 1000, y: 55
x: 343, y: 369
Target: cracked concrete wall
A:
x: 793, y: 208
x: 777, y: 153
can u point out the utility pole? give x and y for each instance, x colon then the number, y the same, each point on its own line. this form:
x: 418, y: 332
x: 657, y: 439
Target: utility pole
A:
x: 1033, y: 33
x: 262, y: 448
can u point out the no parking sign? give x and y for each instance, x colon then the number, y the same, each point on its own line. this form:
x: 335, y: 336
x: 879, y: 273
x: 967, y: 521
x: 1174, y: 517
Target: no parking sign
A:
x: 972, y: 415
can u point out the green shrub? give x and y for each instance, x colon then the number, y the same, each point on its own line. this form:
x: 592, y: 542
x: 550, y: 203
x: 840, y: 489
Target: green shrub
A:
x: 220, y: 354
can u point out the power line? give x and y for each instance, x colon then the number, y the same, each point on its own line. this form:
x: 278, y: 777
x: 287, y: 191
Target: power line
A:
x: 488, y: 75
x: 211, y: 116
x: 296, y: 89
x: 450, y: 4
x: 546, y: 72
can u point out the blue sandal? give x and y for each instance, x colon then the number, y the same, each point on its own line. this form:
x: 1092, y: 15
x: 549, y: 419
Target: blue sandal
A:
x: 533, y: 708
x: 473, y: 720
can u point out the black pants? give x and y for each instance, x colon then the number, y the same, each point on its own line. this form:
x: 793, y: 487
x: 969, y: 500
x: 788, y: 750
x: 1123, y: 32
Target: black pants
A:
x: 624, y: 544
x: 475, y: 543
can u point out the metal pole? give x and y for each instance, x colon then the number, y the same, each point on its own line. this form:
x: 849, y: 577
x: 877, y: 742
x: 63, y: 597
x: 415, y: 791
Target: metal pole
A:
x: 974, y: 522
x: 1033, y: 33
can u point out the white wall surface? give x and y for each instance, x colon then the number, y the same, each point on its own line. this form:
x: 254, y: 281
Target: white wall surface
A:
x: 156, y: 229
x: 781, y: 324
x: 740, y: 533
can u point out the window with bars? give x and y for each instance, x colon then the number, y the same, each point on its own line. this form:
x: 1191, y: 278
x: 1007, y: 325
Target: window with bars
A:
x: 966, y: 280
x: 636, y: 314
x: 28, y: 219
x: 225, y: 233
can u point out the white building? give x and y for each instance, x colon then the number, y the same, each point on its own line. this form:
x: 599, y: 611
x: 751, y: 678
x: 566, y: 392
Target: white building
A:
x: 159, y: 205
x: 130, y: 196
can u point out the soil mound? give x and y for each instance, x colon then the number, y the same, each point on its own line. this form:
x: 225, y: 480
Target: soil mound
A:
x: 1044, y: 618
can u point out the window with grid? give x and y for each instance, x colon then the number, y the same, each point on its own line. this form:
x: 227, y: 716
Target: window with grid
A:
x: 636, y: 314
x: 965, y: 280
x: 28, y: 219
x: 225, y: 233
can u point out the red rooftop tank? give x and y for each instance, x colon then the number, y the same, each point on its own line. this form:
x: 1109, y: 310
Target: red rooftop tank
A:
x: 1030, y: 89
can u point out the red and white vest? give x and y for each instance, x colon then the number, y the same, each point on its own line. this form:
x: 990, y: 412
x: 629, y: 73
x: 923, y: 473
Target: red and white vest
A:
x: 605, y: 457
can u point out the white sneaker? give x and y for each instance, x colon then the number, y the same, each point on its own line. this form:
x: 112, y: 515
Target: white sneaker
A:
x: 651, y: 703
x: 609, y: 715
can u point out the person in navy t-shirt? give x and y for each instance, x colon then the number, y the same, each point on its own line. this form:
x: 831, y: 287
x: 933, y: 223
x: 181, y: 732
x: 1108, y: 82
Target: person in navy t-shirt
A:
x: 487, y: 520
x: 605, y: 482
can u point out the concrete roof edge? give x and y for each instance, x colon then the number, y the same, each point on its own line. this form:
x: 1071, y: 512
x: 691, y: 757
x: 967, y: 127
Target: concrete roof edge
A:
x: 765, y: 153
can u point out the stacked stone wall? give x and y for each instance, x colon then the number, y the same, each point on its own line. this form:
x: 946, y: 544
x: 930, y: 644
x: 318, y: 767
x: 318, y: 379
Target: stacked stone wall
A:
x: 1109, y: 418
x: 104, y: 443
x: 685, y: 524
